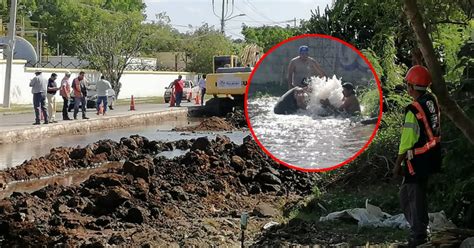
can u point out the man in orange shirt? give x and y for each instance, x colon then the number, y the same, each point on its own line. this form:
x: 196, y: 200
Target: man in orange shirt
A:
x: 80, y: 94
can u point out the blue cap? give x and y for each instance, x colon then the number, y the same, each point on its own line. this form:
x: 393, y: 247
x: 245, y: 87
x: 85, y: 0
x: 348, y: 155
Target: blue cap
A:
x: 304, y: 49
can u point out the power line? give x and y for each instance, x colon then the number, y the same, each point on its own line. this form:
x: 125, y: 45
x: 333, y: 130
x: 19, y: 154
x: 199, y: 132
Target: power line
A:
x: 254, y: 9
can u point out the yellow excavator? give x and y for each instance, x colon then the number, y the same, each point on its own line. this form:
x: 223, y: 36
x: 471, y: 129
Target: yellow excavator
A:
x: 229, y: 79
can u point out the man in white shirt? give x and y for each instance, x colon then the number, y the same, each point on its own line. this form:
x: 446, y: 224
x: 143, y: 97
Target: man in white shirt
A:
x: 102, y: 87
x: 39, y: 86
x: 202, y: 88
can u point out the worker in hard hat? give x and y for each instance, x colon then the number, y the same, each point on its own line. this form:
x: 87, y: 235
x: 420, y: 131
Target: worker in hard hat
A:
x: 350, y: 104
x: 419, y: 153
x: 302, y: 67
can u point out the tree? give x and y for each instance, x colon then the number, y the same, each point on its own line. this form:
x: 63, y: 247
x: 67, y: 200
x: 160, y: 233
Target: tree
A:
x: 450, y: 107
x: 111, y: 44
x: 63, y: 20
x: 202, y: 45
x: 267, y: 36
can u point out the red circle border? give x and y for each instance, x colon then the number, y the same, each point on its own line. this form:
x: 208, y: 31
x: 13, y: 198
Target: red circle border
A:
x: 350, y: 159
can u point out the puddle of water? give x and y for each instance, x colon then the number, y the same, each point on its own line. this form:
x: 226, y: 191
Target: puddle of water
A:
x: 12, y: 155
x: 306, y: 140
x: 73, y: 177
x: 172, y: 154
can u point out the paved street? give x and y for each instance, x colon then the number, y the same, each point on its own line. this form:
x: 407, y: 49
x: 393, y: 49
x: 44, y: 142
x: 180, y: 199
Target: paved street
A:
x: 12, y: 121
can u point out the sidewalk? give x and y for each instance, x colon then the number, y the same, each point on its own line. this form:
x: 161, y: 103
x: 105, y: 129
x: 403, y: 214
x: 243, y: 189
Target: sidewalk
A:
x: 11, y: 121
x: 16, y: 128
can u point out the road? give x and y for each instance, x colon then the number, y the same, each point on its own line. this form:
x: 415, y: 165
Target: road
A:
x: 13, y: 121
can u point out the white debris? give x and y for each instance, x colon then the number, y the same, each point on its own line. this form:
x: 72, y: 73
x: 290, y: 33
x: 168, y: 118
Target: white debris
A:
x: 373, y: 216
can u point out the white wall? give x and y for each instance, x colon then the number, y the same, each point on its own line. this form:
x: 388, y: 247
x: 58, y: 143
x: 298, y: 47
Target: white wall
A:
x: 136, y: 83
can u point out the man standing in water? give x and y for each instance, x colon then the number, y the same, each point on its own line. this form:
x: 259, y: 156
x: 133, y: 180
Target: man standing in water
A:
x: 420, y: 151
x: 350, y: 104
x: 303, y: 67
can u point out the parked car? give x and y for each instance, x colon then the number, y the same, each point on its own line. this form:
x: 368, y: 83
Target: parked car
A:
x: 189, y: 86
x: 91, y: 102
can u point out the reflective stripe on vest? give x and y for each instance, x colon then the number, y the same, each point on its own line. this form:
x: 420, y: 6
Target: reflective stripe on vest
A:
x: 410, y: 168
x: 432, y: 141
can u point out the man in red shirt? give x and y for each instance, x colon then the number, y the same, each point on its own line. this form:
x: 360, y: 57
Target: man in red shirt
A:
x: 178, y: 86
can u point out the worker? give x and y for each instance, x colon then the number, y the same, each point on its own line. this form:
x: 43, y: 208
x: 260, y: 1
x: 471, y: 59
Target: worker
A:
x: 65, y: 91
x: 294, y: 99
x: 80, y: 94
x: 178, y: 86
x: 102, y: 86
x: 39, y: 86
x: 350, y: 105
x: 202, y: 88
x: 302, y: 67
x: 419, y: 151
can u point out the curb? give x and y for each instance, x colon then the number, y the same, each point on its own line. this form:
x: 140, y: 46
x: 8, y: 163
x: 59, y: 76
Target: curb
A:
x: 86, y: 126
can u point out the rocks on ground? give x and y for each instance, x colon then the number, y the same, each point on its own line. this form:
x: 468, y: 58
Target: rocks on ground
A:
x: 192, y: 199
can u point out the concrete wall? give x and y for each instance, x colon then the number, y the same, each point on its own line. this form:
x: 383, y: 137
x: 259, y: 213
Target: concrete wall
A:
x: 334, y: 57
x: 136, y: 83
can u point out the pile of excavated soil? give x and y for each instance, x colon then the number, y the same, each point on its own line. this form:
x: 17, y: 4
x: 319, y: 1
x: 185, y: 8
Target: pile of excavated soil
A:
x: 233, y: 121
x: 191, y: 200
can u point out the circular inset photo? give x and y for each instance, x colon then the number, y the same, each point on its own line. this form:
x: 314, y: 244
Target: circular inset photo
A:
x: 313, y: 102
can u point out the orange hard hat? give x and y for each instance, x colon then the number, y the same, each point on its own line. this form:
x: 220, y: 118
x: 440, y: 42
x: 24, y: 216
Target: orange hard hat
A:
x: 418, y: 75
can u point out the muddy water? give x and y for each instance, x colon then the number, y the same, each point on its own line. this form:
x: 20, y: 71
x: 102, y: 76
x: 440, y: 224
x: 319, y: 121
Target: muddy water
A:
x: 14, y: 154
x: 69, y: 178
x: 304, y: 139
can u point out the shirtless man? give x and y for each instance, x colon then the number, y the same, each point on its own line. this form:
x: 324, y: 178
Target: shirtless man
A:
x: 303, y: 67
x: 292, y: 100
x: 350, y: 103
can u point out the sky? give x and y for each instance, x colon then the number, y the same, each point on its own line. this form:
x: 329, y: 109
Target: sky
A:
x: 257, y: 13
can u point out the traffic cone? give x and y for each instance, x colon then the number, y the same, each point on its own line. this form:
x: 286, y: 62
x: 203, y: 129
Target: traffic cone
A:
x: 41, y: 113
x: 172, y: 100
x: 132, y: 104
x: 101, y: 108
x: 197, y: 100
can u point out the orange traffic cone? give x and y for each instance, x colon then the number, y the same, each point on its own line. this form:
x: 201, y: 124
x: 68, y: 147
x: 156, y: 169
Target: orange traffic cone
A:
x: 101, y: 108
x: 197, y: 100
x: 172, y: 100
x: 41, y: 113
x: 132, y: 104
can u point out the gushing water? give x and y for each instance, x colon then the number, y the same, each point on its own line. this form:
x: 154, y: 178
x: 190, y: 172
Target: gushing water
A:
x: 323, y: 88
x: 307, y: 139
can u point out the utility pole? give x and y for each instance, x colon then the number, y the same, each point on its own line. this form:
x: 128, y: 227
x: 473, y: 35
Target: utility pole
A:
x: 10, y: 47
x: 226, y: 13
x: 222, y: 18
x: 294, y: 23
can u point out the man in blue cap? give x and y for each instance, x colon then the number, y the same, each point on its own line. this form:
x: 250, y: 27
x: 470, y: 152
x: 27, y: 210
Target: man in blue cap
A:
x: 302, y: 68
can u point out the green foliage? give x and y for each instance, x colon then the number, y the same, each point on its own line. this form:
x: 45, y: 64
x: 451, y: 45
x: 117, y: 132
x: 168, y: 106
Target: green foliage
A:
x: 106, y: 47
x: 448, y: 40
x: 370, y: 102
x: 267, y: 36
x: 202, y: 45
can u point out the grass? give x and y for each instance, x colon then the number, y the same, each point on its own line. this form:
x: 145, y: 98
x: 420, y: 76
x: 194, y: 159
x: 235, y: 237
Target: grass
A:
x: 337, y: 199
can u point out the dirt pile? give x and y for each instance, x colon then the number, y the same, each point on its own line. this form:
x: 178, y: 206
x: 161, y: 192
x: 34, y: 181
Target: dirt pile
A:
x: 233, y: 121
x: 191, y: 200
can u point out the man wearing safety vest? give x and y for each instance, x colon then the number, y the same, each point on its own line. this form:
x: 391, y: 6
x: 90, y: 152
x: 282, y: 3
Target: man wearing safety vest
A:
x: 419, y: 151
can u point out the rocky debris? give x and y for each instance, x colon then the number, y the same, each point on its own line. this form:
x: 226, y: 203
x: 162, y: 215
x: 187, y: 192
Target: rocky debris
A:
x: 265, y: 210
x: 237, y: 119
x: 233, y: 120
x: 210, y: 124
x: 151, y: 198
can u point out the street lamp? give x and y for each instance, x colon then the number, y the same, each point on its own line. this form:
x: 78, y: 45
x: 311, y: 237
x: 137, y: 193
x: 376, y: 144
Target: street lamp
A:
x: 226, y: 19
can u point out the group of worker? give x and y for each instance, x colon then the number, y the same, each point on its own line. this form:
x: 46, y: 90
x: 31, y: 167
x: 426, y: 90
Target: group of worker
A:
x: 178, y: 89
x: 300, y: 70
x: 46, y: 89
